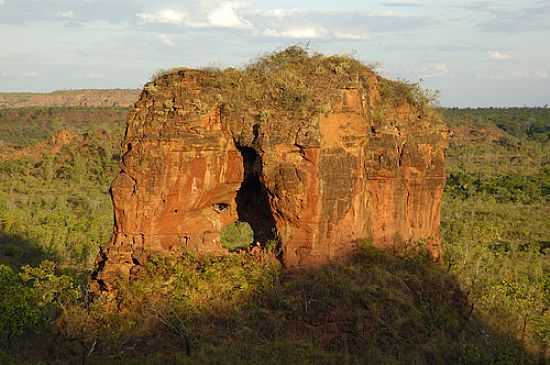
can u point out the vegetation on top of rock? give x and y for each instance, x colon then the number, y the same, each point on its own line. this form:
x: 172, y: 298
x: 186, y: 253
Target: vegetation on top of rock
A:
x: 294, y: 84
x: 398, y: 91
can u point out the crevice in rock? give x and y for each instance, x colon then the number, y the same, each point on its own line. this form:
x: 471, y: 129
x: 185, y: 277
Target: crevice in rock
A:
x: 252, y: 198
x: 100, y: 266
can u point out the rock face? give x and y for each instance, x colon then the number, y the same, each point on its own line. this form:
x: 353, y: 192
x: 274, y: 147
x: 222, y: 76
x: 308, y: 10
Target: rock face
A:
x: 316, y: 152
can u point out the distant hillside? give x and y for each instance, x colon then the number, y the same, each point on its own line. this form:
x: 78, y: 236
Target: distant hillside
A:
x: 68, y: 98
x: 530, y: 123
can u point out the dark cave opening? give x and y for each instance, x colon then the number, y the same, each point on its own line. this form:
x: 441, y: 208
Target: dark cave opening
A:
x: 252, y: 199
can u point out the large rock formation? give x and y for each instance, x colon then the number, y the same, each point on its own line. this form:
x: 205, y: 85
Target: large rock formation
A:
x: 317, y: 152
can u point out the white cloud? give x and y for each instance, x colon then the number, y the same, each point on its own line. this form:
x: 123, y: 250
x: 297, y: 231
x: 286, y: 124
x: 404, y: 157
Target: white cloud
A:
x: 290, y: 23
x: 350, y: 36
x: 226, y: 17
x: 165, y: 16
x: 166, y: 40
x: 2, y: 2
x: 278, y: 13
x: 312, y: 33
x: 3, y: 73
x: 223, y: 16
x: 499, y: 56
x: 349, y: 25
x: 295, y: 33
x: 69, y: 14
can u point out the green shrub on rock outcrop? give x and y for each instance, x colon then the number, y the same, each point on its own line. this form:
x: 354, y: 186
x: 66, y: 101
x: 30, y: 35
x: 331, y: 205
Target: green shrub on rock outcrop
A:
x: 237, y: 235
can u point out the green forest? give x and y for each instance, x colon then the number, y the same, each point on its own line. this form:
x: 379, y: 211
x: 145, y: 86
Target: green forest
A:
x: 486, y: 303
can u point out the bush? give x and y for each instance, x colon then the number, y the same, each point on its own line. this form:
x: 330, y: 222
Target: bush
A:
x: 237, y: 235
x: 52, y: 289
x: 19, y: 308
x: 31, y: 298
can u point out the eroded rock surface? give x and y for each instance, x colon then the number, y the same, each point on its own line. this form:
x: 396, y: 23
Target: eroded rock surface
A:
x: 318, y: 152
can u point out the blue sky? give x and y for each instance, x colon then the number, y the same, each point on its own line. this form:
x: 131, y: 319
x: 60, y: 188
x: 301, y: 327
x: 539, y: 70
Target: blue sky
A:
x: 477, y: 53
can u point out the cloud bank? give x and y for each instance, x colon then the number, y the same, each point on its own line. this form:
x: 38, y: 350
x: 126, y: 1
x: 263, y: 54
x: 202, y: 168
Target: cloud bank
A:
x: 464, y: 49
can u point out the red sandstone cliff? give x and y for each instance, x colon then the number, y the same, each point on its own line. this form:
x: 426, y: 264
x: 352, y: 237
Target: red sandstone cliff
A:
x: 317, y: 151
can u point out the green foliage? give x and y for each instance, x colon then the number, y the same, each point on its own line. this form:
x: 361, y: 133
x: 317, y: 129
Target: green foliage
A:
x: 497, y: 250
x: 24, y: 126
x: 19, y: 307
x: 273, y: 246
x: 56, y: 204
x: 51, y: 288
x: 529, y: 123
x: 502, y: 188
x: 240, y: 308
x: 495, y: 219
x: 287, y: 82
x: 397, y: 92
x: 31, y: 298
x: 237, y: 235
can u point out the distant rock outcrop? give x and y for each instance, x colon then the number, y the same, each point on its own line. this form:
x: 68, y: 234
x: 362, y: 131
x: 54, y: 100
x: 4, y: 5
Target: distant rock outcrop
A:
x: 122, y: 98
x: 316, y: 152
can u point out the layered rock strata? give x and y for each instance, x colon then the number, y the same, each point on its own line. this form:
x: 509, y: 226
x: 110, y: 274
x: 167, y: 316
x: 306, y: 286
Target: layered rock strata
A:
x: 316, y: 156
